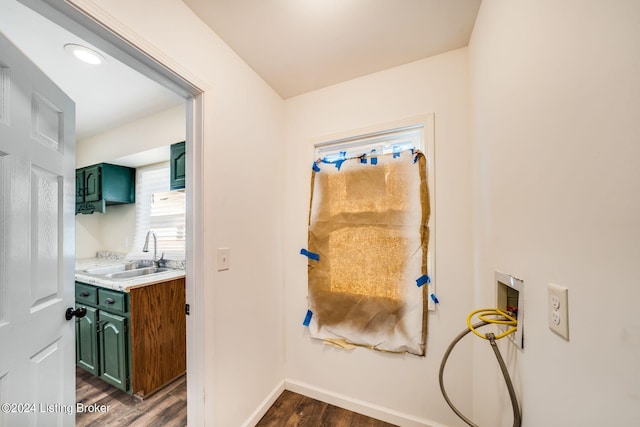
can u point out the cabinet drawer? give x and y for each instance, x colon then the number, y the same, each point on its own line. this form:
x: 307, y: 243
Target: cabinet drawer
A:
x: 112, y: 300
x: 86, y: 294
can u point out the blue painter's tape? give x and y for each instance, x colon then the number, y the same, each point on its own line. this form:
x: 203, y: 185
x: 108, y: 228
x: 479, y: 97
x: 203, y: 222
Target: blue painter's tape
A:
x: 316, y: 168
x: 374, y: 159
x: 363, y: 159
x: 310, y: 255
x: 396, y: 151
x: 307, y: 318
x: 337, y: 162
x: 420, y: 281
x: 341, y: 159
x: 434, y: 299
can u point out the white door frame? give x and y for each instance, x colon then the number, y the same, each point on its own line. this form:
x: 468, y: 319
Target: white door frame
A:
x: 129, y: 48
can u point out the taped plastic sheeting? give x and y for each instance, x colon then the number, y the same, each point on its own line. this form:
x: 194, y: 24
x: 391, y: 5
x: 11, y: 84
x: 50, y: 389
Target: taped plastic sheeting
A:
x: 368, y: 222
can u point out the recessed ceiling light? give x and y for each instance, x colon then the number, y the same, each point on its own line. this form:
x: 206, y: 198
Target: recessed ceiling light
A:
x: 85, y: 54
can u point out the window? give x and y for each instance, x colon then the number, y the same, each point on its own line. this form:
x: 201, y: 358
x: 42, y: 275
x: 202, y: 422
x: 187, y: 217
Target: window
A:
x: 161, y: 211
x: 368, y: 245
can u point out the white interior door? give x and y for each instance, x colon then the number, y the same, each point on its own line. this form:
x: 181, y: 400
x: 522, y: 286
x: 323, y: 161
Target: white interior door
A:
x: 37, y: 156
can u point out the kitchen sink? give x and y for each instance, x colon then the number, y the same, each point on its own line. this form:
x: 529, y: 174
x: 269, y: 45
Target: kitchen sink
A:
x: 137, y: 272
x: 116, y: 268
x: 127, y: 270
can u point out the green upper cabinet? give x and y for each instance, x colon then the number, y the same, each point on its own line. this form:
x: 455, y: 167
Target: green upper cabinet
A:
x: 104, y: 184
x: 178, y: 166
x: 88, y: 184
x: 92, y: 183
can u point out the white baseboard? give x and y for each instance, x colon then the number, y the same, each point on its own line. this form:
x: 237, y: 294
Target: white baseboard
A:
x: 359, y: 406
x: 264, y: 406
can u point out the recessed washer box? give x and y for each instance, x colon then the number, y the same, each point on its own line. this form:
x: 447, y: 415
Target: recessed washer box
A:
x: 510, y: 298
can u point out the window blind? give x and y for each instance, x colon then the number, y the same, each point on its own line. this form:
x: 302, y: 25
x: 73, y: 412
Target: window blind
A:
x: 159, y: 210
x: 168, y: 222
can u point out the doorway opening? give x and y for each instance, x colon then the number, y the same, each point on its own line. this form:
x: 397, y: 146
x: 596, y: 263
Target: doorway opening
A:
x: 80, y: 25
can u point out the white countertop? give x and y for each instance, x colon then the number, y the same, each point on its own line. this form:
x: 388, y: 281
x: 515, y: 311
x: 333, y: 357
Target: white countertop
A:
x: 120, y: 284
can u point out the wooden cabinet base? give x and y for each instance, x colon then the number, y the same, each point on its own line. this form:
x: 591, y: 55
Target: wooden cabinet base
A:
x: 158, y: 335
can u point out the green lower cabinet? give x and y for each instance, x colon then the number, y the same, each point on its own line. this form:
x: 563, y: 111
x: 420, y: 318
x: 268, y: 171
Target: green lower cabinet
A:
x: 87, y: 341
x: 113, y: 350
x: 102, y: 335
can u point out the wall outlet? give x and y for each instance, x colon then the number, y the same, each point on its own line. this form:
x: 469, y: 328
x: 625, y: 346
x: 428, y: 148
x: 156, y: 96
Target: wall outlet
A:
x: 558, y: 304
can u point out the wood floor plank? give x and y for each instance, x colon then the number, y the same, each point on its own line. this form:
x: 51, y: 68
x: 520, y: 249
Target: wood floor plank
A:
x: 295, y: 410
x: 336, y: 417
x: 364, y: 421
x: 168, y: 407
x: 281, y: 410
x: 307, y: 414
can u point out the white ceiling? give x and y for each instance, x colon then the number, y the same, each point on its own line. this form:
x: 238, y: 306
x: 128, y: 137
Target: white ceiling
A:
x: 295, y: 45
x: 301, y: 45
x: 106, y: 96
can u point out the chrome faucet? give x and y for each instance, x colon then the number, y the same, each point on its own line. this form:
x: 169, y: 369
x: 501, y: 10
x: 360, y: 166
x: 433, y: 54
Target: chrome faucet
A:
x: 155, y: 260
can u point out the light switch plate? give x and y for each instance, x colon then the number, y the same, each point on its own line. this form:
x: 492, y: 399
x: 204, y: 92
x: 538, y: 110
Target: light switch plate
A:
x: 558, y: 305
x: 224, y: 261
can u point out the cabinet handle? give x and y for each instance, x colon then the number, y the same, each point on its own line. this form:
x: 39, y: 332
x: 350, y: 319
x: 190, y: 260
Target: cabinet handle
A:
x: 109, y: 301
x: 84, y: 294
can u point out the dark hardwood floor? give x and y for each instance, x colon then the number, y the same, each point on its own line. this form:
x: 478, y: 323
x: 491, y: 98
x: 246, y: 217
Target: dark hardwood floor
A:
x: 294, y: 410
x: 166, y: 408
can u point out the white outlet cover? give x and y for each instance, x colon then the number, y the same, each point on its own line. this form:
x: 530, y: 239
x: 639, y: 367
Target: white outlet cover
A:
x: 558, y: 306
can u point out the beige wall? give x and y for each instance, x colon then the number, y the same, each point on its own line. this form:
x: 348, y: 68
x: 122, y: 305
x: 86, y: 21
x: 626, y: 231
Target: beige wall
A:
x: 242, y: 132
x: 542, y: 184
x: 555, y: 104
x: 403, y: 388
x: 157, y: 130
x: 113, y: 231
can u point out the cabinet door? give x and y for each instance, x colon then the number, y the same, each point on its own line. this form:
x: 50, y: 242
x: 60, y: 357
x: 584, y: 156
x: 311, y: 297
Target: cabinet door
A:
x: 92, y: 184
x: 113, y: 350
x: 87, y: 341
x: 178, y: 166
x: 79, y: 185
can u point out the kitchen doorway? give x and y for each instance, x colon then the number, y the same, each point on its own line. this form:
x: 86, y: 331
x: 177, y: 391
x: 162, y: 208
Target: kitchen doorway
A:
x: 98, y: 35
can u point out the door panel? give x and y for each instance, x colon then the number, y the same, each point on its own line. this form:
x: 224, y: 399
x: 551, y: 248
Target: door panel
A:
x: 87, y: 341
x: 45, y: 239
x: 45, y: 368
x: 79, y: 186
x: 113, y: 349
x: 5, y: 179
x: 4, y: 95
x: 37, y: 200
x: 46, y: 122
x: 92, y: 190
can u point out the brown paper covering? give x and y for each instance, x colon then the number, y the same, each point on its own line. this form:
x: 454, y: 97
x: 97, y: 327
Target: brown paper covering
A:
x: 369, y: 225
